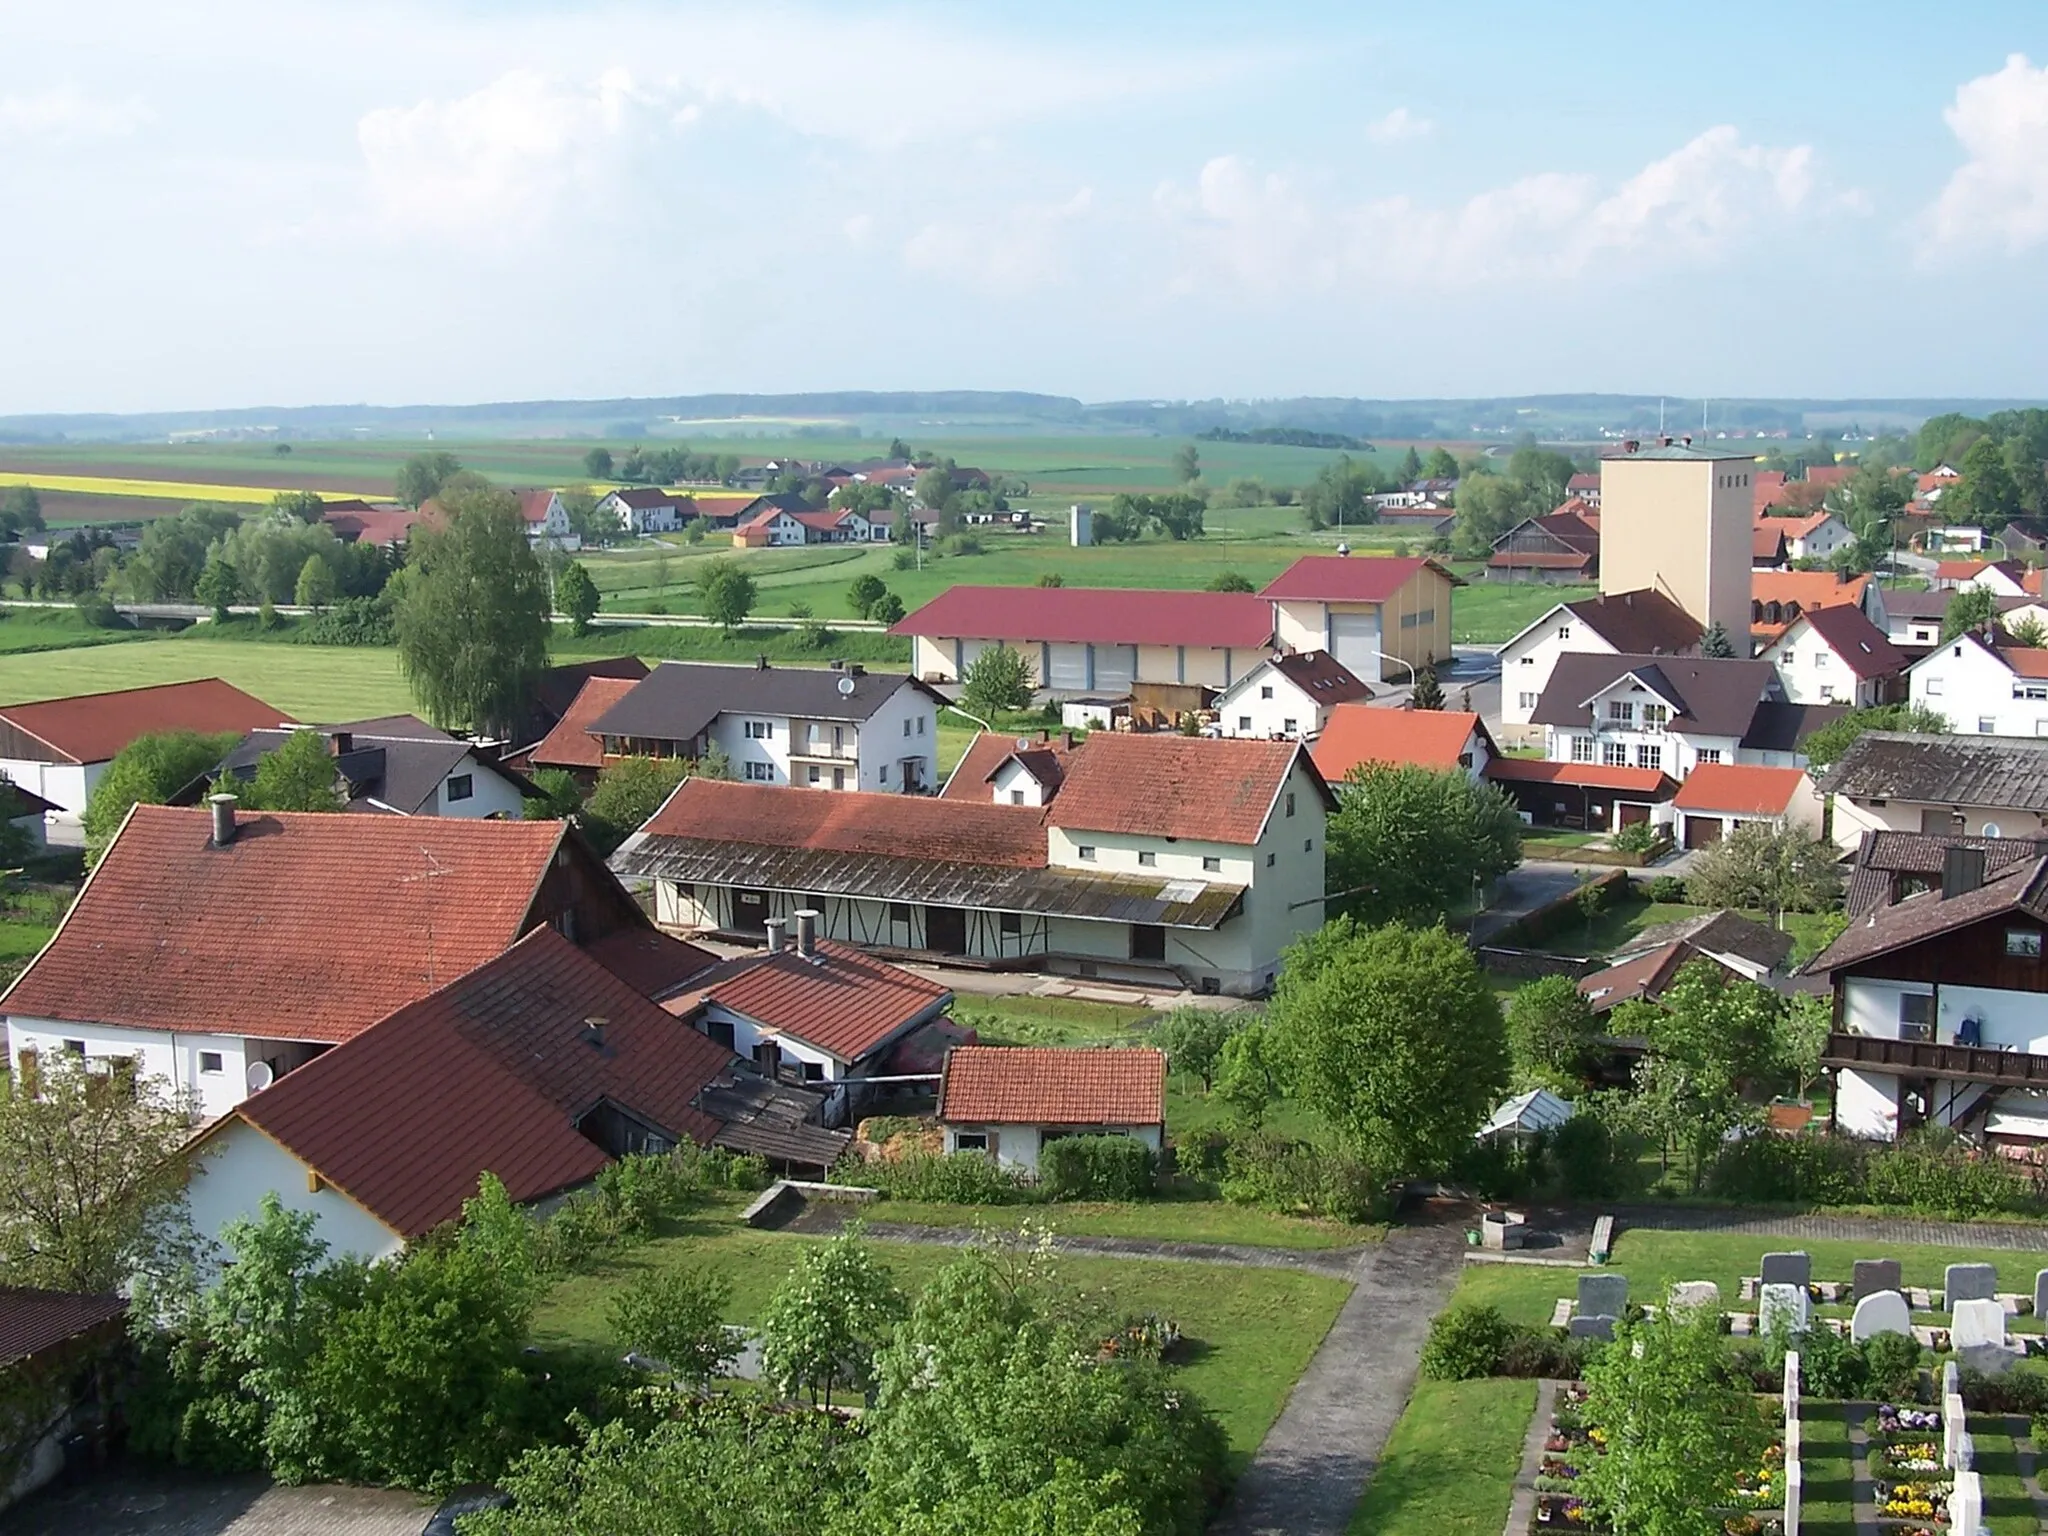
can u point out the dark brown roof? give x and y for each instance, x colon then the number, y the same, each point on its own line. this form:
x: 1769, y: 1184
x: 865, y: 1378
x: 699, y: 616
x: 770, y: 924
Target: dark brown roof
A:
x: 1725, y: 932
x: 32, y: 1321
x: 93, y: 727
x: 558, y: 687
x: 2023, y: 887
x: 1780, y: 727
x: 1886, y: 861
x: 1645, y: 623
x: 777, y: 816
x: 1708, y: 696
x: 1997, y: 772
x: 1322, y: 676
x: 678, y: 700
x: 1860, y: 643
x: 1529, y: 770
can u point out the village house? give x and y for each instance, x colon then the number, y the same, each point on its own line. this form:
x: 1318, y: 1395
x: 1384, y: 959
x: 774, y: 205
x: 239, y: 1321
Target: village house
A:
x: 1983, y: 685
x: 1560, y: 546
x: 547, y: 521
x: 1778, y: 598
x: 223, y: 951
x: 1913, y: 619
x: 1417, y: 493
x: 572, y: 746
x: 1815, y: 536
x: 1009, y: 1101
x: 1716, y: 798
x: 1442, y: 740
x: 555, y: 690
x: 645, y: 509
x: 783, y: 521
x: 1031, y: 767
x: 1145, y: 857
x: 395, y: 765
x: 58, y: 749
x: 1591, y: 796
x: 1288, y: 696
x: 1584, y: 486
x: 356, y: 521
x: 1837, y: 656
x: 1961, y: 786
x: 1767, y: 550
x: 1651, y: 962
x: 2001, y: 578
x: 813, y: 727
x: 1626, y: 623
x: 1367, y: 611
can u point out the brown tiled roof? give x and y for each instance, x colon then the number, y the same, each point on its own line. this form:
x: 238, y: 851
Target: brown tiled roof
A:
x: 844, y: 1002
x: 571, y: 744
x: 305, y: 927
x: 1860, y: 643
x: 33, y: 1321
x: 1214, y: 791
x: 1033, y: 1085
x: 1766, y: 542
x: 1641, y: 977
x: 1724, y: 932
x: 557, y: 688
x: 93, y: 727
x: 1999, y: 772
x: 1883, y: 858
x: 1348, y: 578
x: 2021, y: 887
x: 1740, y: 789
x: 989, y: 750
x: 1427, y: 738
x: 1322, y: 676
x: 491, y: 1073
x: 1639, y: 623
x: 775, y: 816
x: 650, y: 962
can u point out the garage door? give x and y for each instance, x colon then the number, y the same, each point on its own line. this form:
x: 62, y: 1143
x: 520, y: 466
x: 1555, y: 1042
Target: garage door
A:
x: 1116, y: 668
x: 1355, y: 641
x: 1068, y: 668
x: 966, y: 651
x: 1702, y: 831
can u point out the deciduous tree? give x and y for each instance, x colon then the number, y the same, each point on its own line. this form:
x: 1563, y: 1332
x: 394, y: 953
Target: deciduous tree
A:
x: 1551, y: 1029
x: 866, y: 591
x: 824, y: 1323
x: 725, y: 592
x: 995, y: 682
x: 1187, y: 464
x: 677, y: 1316
x: 1193, y: 1038
x: 576, y: 597
x: 598, y: 463
x: 1970, y: 608
x: 1408, y: 844
x: 220, y: 585
x: 1714, y: 1048
x: 148, y: 771
x: 298, y: 775
x: 626, y: 794
x: 421, y: 477
x: 315, y: 587
x: 1827, y: 744
x: 1767, y: 868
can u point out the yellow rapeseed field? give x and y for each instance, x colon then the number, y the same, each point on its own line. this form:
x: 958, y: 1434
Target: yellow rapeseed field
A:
x: 167, y: 490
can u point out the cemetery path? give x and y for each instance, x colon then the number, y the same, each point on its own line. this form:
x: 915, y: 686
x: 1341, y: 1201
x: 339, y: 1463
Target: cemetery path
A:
x: 2019, y: 1236
x: 1320, y: 1453
x: 1339, y: 1263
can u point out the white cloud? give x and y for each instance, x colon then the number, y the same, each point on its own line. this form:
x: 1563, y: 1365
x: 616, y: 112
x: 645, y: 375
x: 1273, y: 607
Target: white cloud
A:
x: 2000, y: 194
x: 1018, y: 249
x: 1398, y: 126
x: 66, y: 115
x: 1274, y: 233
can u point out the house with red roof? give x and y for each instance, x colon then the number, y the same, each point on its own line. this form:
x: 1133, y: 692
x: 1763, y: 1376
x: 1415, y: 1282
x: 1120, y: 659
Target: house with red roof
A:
x: 58, y: 748
x: 222, y: 951
x: 1716, y: 798
x: 1366, y: 611
x: 356, y: 521
x: 644, y: 509
x: 1008, y: 1101
x: 1560, y: 546
x: 2002, y: 578
x: 785, y: 521
x: 547, y: 520
x: 1443, y: 740
x: 1835, y: 655
x: 1596, y: 797
x: 1288, y: 697
x: 1815, y: 536
x: 1134, y: 856
x: 1777, y: 598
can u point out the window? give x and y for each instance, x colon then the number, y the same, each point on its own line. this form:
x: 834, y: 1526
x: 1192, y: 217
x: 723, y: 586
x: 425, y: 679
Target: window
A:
x: 760, y: 730
x: 1916, y: 1015
x: 1009, y: 922
x: 1621, y: 711
x: 1991, y: 829
x: 1708, y: 755
x: 1271, y: 860
x: 1582, y: 749
x: 899, y: 912
x: 1987, y: 725
x: 1290, y: 802
x: 1147, y: 859
x: 815, y: 774
x: 970, y: 1141
x: 461, y: 786
x: 2030, y: 690
x: 906, y: 727
x: 1934, y: 687
x: 1564, y: 631
x: 1266, y: 691
x: 1528, y: 661
x: 882, y: 773
x: 210, y: 1063
x: 1649, y: 757
x: 1244, y: 722
x: 920, y: 725
x: 1827, y: 693
x: 1526, y: 700
x: 814, y: 1072
x: 1211, y: 864
x: 761, y: 773
x: 1820, y: 658
x: 1308, y: 845
x: 75, y: 1047
x: 1087, y: 853
x: 1655, y: 715
x: 1016, y: 797
x: 1289, y: 725
x: 1614, y: 754
x: 2023, y: 943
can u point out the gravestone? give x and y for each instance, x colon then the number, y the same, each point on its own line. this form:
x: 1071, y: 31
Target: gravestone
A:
x: 1977, y: 1323
x: 2041, y: 1294
x: 1787, y: 1269
x: 1782, y: 1308
x: 1874, y: 1275
x: 1968, y: 1282
x: 1880, y: 1312
x: 1966, y: 1504
x: 1583, y: 1327
x: 1695, y: 1296
x: 1602, y: 1295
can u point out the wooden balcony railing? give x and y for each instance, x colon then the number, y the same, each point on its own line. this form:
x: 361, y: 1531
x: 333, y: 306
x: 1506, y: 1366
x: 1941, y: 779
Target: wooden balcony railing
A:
x: 1926, y: 1058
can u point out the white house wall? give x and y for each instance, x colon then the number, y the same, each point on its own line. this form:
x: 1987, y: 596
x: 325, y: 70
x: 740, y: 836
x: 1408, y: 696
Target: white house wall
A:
x: 491, y: 794
x: 1975, y: 689
x: 161, y: 1054
x: 1867, y: 1104
x: 1811, y: 672
x: 242, y: 1165
x: 1018, y: 1146
x: 1527, y: 661
x: 906, y: 726
x: 1291, y: 712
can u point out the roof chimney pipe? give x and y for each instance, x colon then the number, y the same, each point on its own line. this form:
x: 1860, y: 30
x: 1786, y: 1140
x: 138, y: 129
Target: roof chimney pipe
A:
x: 776, y: 928
x: 223, y: 819
x: 807, y: 932
x: 1962, y: 871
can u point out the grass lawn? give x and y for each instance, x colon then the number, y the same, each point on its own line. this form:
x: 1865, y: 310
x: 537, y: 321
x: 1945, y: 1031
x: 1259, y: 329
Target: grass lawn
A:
x: 2007, y: 1508
x: 1492, y: 612
x: 1027, y: 1020
x: 1827, y: 1505
x: 1450, y: 1464
x: 1179, y: 1220
x: 1620, y: 922
x: 1253, y: 1331
x: 308, y: 682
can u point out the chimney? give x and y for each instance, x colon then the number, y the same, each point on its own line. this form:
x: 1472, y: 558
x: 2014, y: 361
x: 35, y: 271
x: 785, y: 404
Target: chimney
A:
x: 342, y: 742
x: 776, y: 927
x: 1664, y: 442
x: 1962, y: 871
x: 593, y: 1033
x: 760, y: 663
x: 1631, y: 445
x: 1343, y: 550
x: 807, y: 932
x: 223, y: 819
x: 1067, y: 740
x: 1687, y: 439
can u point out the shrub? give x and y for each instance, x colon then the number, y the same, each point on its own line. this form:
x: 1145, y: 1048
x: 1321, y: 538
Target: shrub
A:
x: 1544, y: 1352
x: 903, y: 560
x: 1892, y: 1366
x: 1820, y: 1170
x: 1829, y: 1365
x: 1097, y: 1168
x: 1589, y: 1161
x: 964, y: 544
x: 2013, y: 1392
x: 1465, y: 1342
x: 352, y: 621
x: 1665, y: 888
x: 1300, y: 1179
x: 955, y: 1178
x: 1637, y: 837
x: 1938, y: 1175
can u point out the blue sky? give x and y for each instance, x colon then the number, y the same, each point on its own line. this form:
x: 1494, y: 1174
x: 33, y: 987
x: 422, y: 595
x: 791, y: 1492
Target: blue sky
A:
x: 288, y: 202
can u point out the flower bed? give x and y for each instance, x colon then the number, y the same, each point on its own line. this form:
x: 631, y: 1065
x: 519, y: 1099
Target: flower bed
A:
x: 1918, y: 1500
x: 1906, y: 1459
x: 1894, y: 1420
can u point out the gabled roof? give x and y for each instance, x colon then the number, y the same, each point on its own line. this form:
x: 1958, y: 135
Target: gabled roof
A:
x: 1766, y: 543
x: 679, y: 700
x: 1643, y: 623
x: 1348, y: 578
x: 1766, y: 486
x: 1317, y: 673
x: 651, y: 962
x: 1529, y: 770
x: 1582, y: 482
x: 1885, y: 859
x: 989, y: 750
x: 1425, y: 738
x: 841, y: 1001
x: 1995, y: 772
x: 1163, y: 785
x: 490, y: 1073
x: 397, y: 764
x: 1036, y: 1085
x: 573, y: 743
x: 645, y: 498
x: 94, y: 727
x: 778, y: 816
x: 1645, y: 975
x: 1799, y: 527
x: 2020, y: 888
x: 379, y: 525
x: 33, y: 1322
x: 1737, y: 789
x: 1710, y: 696
x: 1069, y: 615
x: 1828, y: 474
x: 557, y: 688
x: 1860, y: 644
x: 1808, y: 589
x: 304, y: 927
x: 535, y: 505
x: 1724, y: 932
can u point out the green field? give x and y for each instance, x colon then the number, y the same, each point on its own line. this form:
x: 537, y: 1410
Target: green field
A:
x: 314, y: 683
x: 1449, y: 1466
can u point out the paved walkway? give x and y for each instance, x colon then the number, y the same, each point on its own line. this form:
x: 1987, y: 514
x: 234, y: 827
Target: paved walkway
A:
x: 2028, y: 1237
x: 136, y: 1504
x: 1522, y: 1508
x: 1342, y: 1263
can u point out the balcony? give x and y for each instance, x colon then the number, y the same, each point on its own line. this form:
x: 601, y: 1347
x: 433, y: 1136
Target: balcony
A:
x: 1926, y: 1058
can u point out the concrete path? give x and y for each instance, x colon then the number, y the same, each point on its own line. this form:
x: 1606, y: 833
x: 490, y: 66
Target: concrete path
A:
x: 118, y: 1503
x: 1531, y: 884
x: 1522, y: 1508
x: 2024, y: 1237
x: 1317, y: 1458
x: 1342, y: 1263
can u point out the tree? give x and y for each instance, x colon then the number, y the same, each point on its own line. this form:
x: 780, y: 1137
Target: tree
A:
x: 1229, y: 581
x: 824, y: 1322
x: 1803, y: 1029
x: 1987, y: 494
x: 1407, y: 844
x: 1244, y: 491
x: 472, y: 622
x: 1428, y: 693
x: 1766, y: 868
x: 21, y: 509
x: 576, y: 597
x: 1187, y: 464
x: 580, y: 505
x: 1969, y: 609
x: 315, y: 586
x: 865, y: 592
x: 2029, y: 632
x: 298, y: 775
x: 725, y: 592
x: 1715, y: 642
x: 1178, y: 516
x: 598, y: 463
x: 1441, y: 464
x: 1341, y: 493
x: 1411, y: 466
x: 1827, y: 744
x: 1713, y: 1039
x: 996, y: 682
x: 1193, y: 1038
x: 1551, y: 1030
x: 220, y: 585
x: 302, y: 506
x: 1679, y: 1426
x: 148, y: 771
x: 889, y: 610
x: 560, y: 795
x: 627, y: 792
x: 1393, y: 1036
x: 92, y: 1174
x: 423, y: 475
x: 1248, y: 1074
x: 677, y: 1316
x: 899, y: 449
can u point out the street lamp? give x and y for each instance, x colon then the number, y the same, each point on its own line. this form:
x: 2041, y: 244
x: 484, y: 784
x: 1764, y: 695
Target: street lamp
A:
x: 1397, y: 661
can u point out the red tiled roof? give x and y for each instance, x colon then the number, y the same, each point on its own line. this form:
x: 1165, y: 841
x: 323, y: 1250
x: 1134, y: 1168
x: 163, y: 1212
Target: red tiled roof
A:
x: 1348, y: 578
x: 93, y: 727
x: 1828, y: 474
x: 1427, y: 738
x: 1069, y: 615
x: 533, y: 505
x: 2026, y: 661
x: 1766, y: 542
x: 570, y: 744
x: 1766, y: 486
x: 989, y: 751
x: 1798, y: 527
x: 650, y: 962
x: 1212, y: 791
x: 379, y: 525
x: 305, y: 927
x: 844, y: 1002
x: 778, y: 816
x: 1740, y: 790
x: 1583, y: 481
x: 823, y: 521
x: 1044, y: 1085
x: 1529, y: 770
x: 1638, y: 978
x: 33, y: 1321
x: 488, y: 1074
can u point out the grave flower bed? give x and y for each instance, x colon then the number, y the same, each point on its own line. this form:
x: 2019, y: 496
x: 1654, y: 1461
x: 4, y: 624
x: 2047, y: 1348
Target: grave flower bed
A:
x: 1907, y: 1458
x: 1914, y: 1501
x: 1893, y: 1419
x: 1560, y: 1512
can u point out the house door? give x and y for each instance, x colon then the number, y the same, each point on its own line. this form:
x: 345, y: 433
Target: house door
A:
x: 1148, y: 942
x: 945, y: 930
x: 1702, y: 831
x: 750, y: 911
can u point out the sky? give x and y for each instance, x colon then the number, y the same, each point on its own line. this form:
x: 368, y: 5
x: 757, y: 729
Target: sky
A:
x: 290, y: 202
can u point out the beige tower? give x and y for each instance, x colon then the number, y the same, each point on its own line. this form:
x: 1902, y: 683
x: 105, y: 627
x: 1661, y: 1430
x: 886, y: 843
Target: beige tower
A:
x: 1676, y: 518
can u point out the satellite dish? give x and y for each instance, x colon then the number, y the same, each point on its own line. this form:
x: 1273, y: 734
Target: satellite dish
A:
x: 846, y: 685
x: 260, y: 1076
